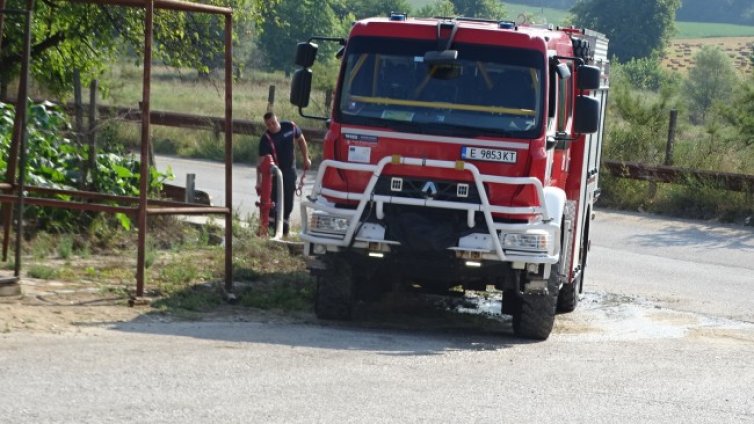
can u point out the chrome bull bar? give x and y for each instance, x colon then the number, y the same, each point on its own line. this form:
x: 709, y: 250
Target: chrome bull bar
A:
x: 545, y: 211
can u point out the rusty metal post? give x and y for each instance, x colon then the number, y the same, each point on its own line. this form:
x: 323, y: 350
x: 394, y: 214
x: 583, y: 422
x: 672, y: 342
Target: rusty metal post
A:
x: 23, y: 134
x: 271, y: 99
x: 5, y: 208
x: 79, y: 119
x: 91, y: 139
x: 145, y: 140
x: 2, y: 23
x: 328, y: 102
x: 671, y: 137
x: 229, y: 152
x: 11, y: 287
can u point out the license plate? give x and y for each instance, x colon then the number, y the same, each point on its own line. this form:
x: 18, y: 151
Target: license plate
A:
x: 492, y: 155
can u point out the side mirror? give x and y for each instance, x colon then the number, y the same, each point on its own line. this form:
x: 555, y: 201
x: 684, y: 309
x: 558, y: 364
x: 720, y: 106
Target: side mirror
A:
x: 586, y: 119
x: 589, y: 77
x: 306, y: 54
x: 441, y: 58
x: 301, y: 87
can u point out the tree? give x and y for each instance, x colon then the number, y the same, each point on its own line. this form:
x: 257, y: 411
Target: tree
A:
x: 637, y: 133
x: 293, y: 21
x: 69, y: 35
x: 645, y: 74
x: 491, y: 9
x: 437, y: 8
x: 741, y: 113
x: 367, y: 8
x: 710, y: 80
x: 636, y: 28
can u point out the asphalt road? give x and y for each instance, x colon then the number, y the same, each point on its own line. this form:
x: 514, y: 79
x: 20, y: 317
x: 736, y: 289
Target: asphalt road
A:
x: 664, y: 334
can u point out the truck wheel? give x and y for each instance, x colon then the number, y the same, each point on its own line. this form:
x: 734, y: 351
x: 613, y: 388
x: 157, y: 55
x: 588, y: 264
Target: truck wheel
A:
x: 334, y: 297
x: 568, y: 296
x: 534, y: 316
x: 370, y: 283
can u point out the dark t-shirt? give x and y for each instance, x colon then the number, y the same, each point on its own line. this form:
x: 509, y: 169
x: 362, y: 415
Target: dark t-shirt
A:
x: 283, y: 151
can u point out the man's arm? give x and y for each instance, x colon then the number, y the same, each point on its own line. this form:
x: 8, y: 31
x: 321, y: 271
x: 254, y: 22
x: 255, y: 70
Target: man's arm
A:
x: 301, y: 141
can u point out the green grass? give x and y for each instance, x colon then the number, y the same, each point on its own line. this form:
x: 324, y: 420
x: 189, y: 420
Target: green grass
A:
x: 42, y: 272
x: 185, y: 276
x: 704, y: 29
x: 182, y: 91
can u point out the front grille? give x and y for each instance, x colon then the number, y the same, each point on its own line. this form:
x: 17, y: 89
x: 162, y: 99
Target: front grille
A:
x: 414, y: 188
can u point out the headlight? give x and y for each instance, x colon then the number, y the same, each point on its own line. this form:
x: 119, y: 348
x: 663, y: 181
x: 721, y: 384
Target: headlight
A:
x: 528, y: 241
x: 328, y: 224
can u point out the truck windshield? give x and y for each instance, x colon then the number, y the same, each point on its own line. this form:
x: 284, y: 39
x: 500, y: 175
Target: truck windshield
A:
x: 489, y: 90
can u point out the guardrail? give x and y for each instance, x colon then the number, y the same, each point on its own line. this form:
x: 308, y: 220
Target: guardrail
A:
x: 671, y: 174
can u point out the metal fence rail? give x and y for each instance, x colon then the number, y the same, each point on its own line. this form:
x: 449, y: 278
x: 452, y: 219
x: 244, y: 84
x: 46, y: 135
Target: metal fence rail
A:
x: 621, y: 169
x: 671, y: 174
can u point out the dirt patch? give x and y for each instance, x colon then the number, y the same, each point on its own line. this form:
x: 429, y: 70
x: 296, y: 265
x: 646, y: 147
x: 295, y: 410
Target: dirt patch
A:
x: 54, y: 306
x: 63, y: 307
x: 722, y: 335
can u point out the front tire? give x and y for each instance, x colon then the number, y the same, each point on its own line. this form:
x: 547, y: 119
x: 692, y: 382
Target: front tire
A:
x: 534, y: 314
x: 334, y: 298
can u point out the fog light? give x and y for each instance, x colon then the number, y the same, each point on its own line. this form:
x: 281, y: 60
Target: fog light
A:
x: 528, y: 241
x: 473, y: 264
x: 376, y: 255
x: 319, y: 249
x: 328, y: 224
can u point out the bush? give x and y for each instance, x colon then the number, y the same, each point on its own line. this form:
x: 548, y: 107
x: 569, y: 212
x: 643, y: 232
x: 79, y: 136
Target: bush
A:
x: 645, y: 74
x: 55, y: 161
x: 640, y: 130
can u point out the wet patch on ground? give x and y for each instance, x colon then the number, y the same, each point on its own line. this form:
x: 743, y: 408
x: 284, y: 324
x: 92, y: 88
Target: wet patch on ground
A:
x: 605, y: 316
x: 600, y: 316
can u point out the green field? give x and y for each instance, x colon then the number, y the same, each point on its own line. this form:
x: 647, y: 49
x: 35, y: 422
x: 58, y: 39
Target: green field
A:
x: 558, y: 17
x: 704, y: 30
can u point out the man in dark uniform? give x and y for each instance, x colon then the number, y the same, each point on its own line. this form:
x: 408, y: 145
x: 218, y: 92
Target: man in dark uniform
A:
x: 278, y: 141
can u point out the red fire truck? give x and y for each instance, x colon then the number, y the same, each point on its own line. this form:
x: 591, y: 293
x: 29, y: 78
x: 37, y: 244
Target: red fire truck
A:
x: 460, y: 153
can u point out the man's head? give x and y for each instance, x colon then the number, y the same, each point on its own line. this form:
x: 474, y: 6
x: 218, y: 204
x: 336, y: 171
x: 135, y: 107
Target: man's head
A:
x: 271, y: 122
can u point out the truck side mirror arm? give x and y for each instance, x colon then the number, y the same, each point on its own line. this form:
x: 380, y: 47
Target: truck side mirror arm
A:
x: 560, y: 140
